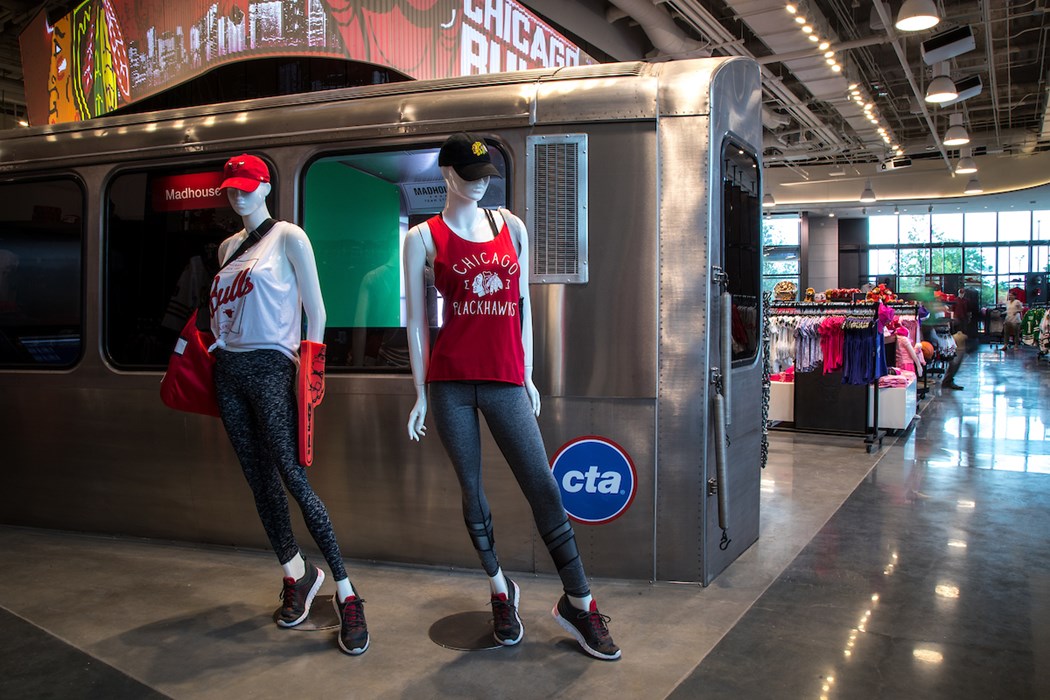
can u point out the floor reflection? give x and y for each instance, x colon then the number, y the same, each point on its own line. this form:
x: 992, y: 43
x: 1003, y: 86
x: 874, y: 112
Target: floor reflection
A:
x: 933, y: 578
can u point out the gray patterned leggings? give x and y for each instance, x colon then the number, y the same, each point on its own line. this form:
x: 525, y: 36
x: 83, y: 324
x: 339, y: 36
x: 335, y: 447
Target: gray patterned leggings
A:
x: 508, y: 414
x: 256, y: 394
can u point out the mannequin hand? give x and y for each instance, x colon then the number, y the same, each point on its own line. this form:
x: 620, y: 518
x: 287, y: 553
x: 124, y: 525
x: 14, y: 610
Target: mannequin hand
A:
x: 534, y: 396
x: 416, y: 428
x: 312, y: 363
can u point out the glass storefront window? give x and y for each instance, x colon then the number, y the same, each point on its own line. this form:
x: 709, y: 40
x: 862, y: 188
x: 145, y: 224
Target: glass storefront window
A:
x: 1040, y: 258
x: 946, y: 261
x: 915, y: 229
x: 41, y: 258
x: 1013, y: 259
x: 882, y: 230
x: 781, y: 238
x: 914, y: 261
x: 1015, y: 225
x: 357, y: 209
x: 882, y: 262
x: 161, y: 253
x: 980, y: 227
x: 781, y: 231
x: 1041, y: 225
x: 979, y: 260
x: 946, y: 228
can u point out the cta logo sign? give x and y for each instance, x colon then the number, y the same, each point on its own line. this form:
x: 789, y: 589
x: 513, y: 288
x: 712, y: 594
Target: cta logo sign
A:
x: 597, y: 479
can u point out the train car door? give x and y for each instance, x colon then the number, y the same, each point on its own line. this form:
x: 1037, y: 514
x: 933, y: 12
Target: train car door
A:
x: 735, y: 423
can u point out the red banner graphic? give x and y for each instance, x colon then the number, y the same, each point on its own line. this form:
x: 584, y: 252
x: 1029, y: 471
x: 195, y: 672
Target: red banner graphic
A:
x: 109, y: 53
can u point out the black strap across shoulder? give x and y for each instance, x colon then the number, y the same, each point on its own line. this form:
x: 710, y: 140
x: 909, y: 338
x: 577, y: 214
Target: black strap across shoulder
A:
x: 492, y: 222
x: 253, y: 237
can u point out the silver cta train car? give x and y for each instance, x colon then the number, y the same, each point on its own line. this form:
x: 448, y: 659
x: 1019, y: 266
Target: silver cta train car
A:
x: 640, y: 185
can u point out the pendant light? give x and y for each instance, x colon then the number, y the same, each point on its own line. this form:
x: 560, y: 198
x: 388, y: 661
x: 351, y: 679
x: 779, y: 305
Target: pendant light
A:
x: 966, y: 164
x: 916, y: 15
x: 956, y: 134
x: 941, y: 88
x: 868, y: 195
x: 973, y: 186
x: 768, y: 201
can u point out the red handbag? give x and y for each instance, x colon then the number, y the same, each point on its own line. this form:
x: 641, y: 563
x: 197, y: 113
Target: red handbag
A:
x: 189, y: 383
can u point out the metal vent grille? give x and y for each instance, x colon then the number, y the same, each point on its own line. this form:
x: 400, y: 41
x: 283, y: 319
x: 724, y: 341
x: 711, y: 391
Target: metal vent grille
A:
x: 557, y: 208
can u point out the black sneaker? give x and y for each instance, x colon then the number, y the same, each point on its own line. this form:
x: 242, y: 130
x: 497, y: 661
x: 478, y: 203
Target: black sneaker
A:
x: 588, y: 628
x: 506, y: 624
x: 298, y: 596
x: 353, y: 631
x: 953, y: 386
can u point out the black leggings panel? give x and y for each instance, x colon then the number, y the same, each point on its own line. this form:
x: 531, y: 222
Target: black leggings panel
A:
x: 256, y: 394
x: 508, y: 414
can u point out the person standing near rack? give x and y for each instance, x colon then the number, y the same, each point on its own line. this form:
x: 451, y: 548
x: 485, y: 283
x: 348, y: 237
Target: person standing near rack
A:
x: 965, y: 318
x: 1012, y: 321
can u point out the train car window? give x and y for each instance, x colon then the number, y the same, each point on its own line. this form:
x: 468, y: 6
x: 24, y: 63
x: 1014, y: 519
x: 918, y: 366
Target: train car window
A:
x: 41, y: 263
x: 742, y: 239
x: 162, y: 232
x: 357, y: 209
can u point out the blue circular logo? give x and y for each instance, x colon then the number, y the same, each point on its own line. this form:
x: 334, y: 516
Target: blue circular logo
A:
x: 597, y: 479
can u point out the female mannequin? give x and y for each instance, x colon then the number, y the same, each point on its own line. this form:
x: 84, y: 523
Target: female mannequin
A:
x: 482, y: 359
x: 256, y: 304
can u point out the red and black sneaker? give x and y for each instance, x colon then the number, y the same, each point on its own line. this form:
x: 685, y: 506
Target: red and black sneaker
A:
x: 588, y: 627
x: 506, y: 624
x: 298, y: 596
x: 353, y: 631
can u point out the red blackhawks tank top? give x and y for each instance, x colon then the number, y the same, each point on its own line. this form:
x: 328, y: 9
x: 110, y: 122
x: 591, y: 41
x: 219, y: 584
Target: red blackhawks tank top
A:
x: 480, y: 338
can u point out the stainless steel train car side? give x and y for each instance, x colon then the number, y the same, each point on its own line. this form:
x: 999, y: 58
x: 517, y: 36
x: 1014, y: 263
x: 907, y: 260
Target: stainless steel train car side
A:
x: 638, y: 353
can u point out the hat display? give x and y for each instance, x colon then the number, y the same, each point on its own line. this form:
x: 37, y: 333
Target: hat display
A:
x: 245, y: 172
x: 468, y: 155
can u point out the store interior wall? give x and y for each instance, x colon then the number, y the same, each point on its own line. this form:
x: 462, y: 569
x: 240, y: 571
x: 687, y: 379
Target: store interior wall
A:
x: 853, y: 252
x: 823, y: 253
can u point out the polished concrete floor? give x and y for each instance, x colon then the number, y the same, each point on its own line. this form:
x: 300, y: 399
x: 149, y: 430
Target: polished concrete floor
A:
x: 921, y: 570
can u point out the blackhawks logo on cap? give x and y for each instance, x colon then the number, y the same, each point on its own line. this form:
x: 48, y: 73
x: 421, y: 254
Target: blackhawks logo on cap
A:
x: 479, y: 148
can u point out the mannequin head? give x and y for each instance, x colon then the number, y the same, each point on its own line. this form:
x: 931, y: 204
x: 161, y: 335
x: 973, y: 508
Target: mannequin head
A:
x: 245, y: 202
x: 459, y: 188
x: 247, y: 183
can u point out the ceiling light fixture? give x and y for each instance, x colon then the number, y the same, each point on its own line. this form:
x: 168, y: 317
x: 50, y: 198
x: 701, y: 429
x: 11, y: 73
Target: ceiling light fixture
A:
x: 768, y: 201
x: 966, y: 164
x: 916, y: 15
x: 868, y: 195
x: 956, y: 134
x: 973, y: 186
x: 941, y: 88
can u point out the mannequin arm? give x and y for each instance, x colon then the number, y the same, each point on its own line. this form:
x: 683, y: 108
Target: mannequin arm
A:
x: 414, y: 261
x: 521, y: 237
x: 300, y: 254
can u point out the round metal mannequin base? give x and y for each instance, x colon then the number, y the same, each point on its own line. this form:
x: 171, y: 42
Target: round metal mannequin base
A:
x: 322, y: 616
x: 467, y: 631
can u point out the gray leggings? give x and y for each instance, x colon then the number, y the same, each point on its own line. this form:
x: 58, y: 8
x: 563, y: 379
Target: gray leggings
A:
x: 508, y: 414
x: 256, y: 394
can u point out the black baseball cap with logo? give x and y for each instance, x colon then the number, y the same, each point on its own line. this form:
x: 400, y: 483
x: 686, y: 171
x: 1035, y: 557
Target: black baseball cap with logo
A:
x: 468, y: 155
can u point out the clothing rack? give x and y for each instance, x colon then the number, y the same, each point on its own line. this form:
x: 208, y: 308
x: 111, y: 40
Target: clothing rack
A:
x: 873, y: 434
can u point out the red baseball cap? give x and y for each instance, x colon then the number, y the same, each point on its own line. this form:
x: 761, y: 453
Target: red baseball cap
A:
x: 245, y: 172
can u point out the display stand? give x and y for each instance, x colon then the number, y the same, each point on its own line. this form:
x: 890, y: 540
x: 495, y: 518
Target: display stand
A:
x: 822, y: 402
